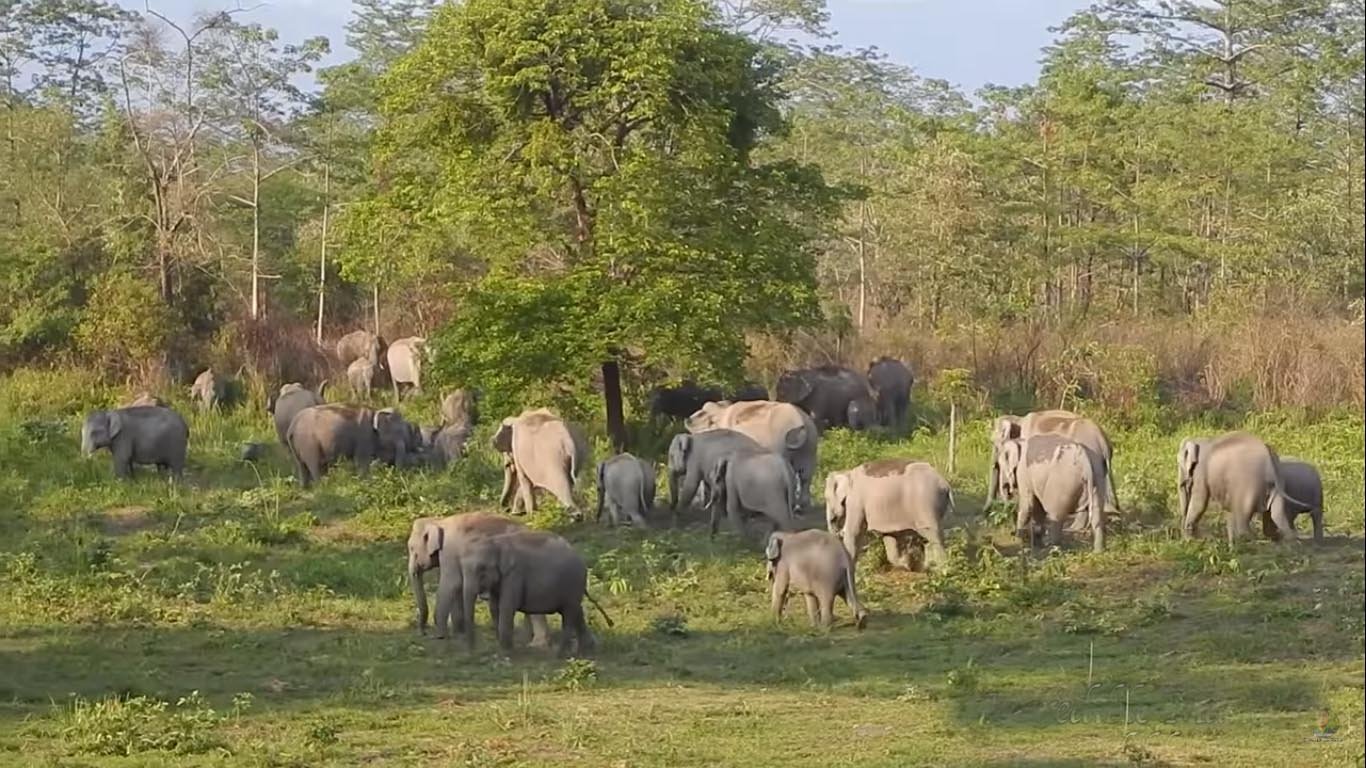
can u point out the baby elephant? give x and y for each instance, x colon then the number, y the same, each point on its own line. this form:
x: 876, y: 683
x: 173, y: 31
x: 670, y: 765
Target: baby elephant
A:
x: 1302, y: 484
x: 626, y: 488
x: 816, y: 564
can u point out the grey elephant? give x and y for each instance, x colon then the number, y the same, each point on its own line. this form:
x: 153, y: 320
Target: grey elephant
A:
x: 209, y: 390
x: 460, y: 408
x: 361, y: 345
x: 405, y: 364
x: 692, y: 457
x: 287, y: 403
x: 445, y: 445
x: 905, y: 502
x: 360, y: 374
x: 143, y: 434
x: 434, y: 539
x: 1055, y: 422
x: 760, y: 482
x: 815, y: 564
x: 749, y: 391
x: 782, y: 428
x: 834, y: 396
x: 541, y: 450
x: 146, y: 398
x: 1304, y: 486
x: 891, y: 382
x: 534, y: 572
x: 1052, y: 478
x: 323, y: 434
x: 406, y: 447
x: 626, y: 489
x: 681, y: 401
x: 1239, y: 472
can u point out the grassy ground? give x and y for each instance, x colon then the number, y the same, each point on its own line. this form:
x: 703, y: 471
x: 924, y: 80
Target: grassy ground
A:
x: 240, y: 621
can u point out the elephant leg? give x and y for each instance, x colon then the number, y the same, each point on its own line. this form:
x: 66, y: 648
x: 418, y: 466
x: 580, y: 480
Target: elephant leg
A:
x: 563, y: 491
x: 851, y: 600
x: 540, y: 630
x: 526, y: 494
x: 1196, y: 503
x: 1269, y: 529
x: 1280, y: 515
x: 504, y: 615
x: 509, y: 484
x: 1316, y: 516
x: 934, y: 547
x: 1054, y: 531
x: 779, y: 594
x: 733, y: 512
x: 826, y: 602
x: 897, y: 556
x: 573, y: 627
x: 813, y: 609
x: 123, y: 461
x: 1024, y: 517
x: 447, y: 591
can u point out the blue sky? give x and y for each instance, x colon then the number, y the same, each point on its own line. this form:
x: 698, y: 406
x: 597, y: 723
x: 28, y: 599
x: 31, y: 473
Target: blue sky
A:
x: 968, y: 42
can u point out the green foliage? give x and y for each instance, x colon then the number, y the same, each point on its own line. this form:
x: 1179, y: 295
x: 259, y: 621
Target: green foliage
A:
x: 576, y: 675
x: 136, y: 725
x: 126, y: 323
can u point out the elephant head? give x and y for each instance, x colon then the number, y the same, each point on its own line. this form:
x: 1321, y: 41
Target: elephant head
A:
x: 679, y: 449
x: 794, y: 386
x: 502, y: 439
x: 838, y: 487
x: 773, y: 552
x: 862, y: 413
x: 1002, y: 429
x: 392, y: 434
x: 707, y: 417
x: 99, y: 430
x: 1008, y: 461
x: 1187, y: 459
x: 485, y: 563
x: 424, y: 547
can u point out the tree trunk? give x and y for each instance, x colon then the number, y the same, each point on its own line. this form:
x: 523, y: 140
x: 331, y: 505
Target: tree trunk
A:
x: 322, y: 256
x: 611, y: 395
x: 953, y: 436
x: 255, y: 233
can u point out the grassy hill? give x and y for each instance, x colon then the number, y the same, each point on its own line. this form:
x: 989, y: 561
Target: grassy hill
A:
x: 237, y: 620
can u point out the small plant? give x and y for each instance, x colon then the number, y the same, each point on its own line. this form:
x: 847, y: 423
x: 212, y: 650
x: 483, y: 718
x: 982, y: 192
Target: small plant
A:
x: 576, y: 674
x: 1138, y: 754
x: 963, y: 679
x: 322, y: 733
x: 670, y: 625
x: 129, y: 726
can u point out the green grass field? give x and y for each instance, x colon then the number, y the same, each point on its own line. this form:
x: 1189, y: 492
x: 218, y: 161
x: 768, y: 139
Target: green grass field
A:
x: 237, y: 620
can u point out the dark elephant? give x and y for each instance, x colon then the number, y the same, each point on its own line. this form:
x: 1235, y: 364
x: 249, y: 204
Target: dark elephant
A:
x: 834, y: 396
x: 891, y: 383
x: 322, y: 434
x: 144, y: 434
x: 682, y: 401
x: 749, y: 391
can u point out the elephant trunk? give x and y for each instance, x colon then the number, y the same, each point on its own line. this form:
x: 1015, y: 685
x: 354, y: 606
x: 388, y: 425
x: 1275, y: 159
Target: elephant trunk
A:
x: 419, y: 596
x: 87, y: 445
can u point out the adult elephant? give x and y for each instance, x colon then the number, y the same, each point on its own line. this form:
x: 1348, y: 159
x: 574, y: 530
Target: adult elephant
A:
x: 898, y: 499
x: 405, y: 364
x: 284, y: 405
x: 540, y: 450
x: 143, y: 434
x: 692, y: 458
x: 322, y: 434
x: 1072, y: 426
x: 782, y: 428
x: 433, y: 540
x: 681, y: 401
x: 361, y: 345
x: 834, y: 396
x: 460, y: 408
x: 891, y: 382
x: 1051, y: 479
x: 1239, y: 472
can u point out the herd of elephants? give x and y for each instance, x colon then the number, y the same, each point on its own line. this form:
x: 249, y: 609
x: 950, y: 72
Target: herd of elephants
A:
x: 742, y: 455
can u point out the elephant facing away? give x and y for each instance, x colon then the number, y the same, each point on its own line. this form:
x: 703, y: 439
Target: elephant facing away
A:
x: 1303, y: 485
x: 540, y: 450
x: 1239, y: 472
x: 1052, y: 478
x: 891, y: 382
x: 360, y: 374
x: 626, y: 489
x: 460, y: 408
x: 692, y: 457
x: 361, y: 345
x: 1066, y: 424
x: 815, y: 564
x: 534, y: 572
x: 834, y: 396
x: 209, y: 390
x: 782, y: 428
x: 434, y: 539
x: 760, y: 482
x: 322, y: 434
x: 903, y: 501
x: 146, y: 398
x: 142, y: 434
x: 405, y: 364
x: 287, y: 403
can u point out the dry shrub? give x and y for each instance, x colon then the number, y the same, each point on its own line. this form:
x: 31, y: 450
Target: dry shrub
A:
x: 269, y: 352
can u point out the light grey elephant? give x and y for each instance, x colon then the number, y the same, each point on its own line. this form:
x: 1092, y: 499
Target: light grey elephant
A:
x: 360, y: 374
x: 434, y: 539
x: 540, y: 450
x: 534, y: 572
x: 815, y: 564
x: 361, y: 345
x: 691, y: 459
x: 146, y: 398
x: 1055, y: 422
x: 1303, y: 485
x: 759, y: 482
x: 834, y: 396
x: 905, y: 502
x: 460, y: 408
x: 782, y: 428
x: 322, y: 434
x: 143, y: 434
x: 1052, y: 478
x: 891, y: 382
x: 405, y: 364
x: 626, y: 489
x: 287, y: 403
x: 1239, y: 472
x: 209, y: 390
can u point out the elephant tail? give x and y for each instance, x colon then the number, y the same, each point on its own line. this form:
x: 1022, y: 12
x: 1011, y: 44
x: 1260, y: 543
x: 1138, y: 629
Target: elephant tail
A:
x: 1094, y: 497
x: 594, y: 601
x: 602, y: 487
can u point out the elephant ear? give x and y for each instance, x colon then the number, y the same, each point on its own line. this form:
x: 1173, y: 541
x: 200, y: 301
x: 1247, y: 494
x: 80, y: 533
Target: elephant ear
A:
x: 433, y: 539
x: 794, y: 387
x: 502, y: 439
x: 1188, y: 457
x: 774, y: 550
x: 115, y: 420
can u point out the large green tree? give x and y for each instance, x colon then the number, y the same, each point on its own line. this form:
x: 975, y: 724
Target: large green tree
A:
x: 596, y: 157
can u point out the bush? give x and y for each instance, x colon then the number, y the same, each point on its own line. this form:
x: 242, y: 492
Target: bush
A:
x: 125, y: 328
x: 129, y: 726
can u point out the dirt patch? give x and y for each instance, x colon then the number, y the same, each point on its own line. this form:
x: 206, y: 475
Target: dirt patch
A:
x: 120, y: 521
